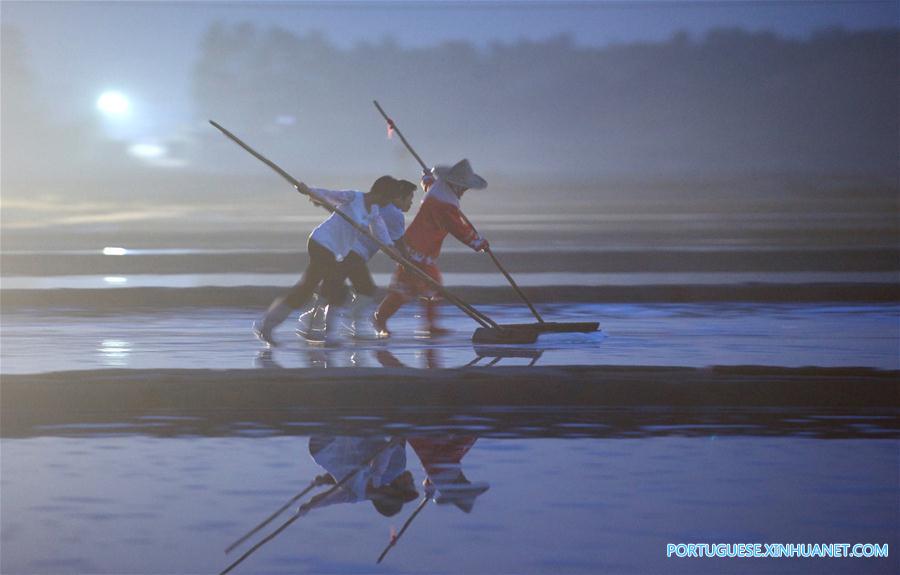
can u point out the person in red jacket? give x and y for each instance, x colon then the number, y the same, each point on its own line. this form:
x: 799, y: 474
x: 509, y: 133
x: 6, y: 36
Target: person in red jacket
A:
x: 438, y: 216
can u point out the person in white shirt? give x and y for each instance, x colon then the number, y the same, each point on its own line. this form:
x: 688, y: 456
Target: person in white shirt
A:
x: 328, y: 245
x: 354, y: 268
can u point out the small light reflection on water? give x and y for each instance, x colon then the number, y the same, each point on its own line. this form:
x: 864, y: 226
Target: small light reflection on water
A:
x: 114, y: 352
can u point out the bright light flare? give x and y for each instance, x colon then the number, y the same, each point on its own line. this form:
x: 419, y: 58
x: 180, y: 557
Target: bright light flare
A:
x: 147, y: 151
x: 111, y: 251
x: 113, y: 104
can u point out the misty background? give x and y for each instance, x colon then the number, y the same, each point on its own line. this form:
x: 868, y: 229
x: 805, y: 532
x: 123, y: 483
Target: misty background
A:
x: 704, y: 106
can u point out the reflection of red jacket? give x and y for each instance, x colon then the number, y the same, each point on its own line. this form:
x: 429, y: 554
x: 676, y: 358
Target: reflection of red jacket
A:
x: 438, y: 215
x: 438, y: 454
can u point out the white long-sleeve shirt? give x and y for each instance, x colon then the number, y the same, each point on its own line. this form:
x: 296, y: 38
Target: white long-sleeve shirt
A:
x: 396, y: 225
x: 336, y: 234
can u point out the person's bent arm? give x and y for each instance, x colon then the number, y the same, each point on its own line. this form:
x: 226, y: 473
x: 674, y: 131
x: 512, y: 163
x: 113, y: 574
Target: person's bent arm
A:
x: 400, y: 247
x: 335, y: 198
x: 379, y: 229
x: 461, y: 229
x: 427, y: 180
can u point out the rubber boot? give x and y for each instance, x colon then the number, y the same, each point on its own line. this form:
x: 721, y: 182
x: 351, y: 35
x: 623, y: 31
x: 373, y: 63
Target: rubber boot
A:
x: 431, y: 317
x: 307, y: 314
x: 361, y: 318
x: 388, y: 307
x: 332, y: 325
x: 312, y: 321
x: 275, y: 315
x: 317, y: 325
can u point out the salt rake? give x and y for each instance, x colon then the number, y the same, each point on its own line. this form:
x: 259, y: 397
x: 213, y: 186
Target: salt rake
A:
x: 489, y: 332
x: 493, y: 335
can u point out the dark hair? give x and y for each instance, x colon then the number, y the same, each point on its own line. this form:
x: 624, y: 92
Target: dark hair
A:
x: 388, y: 506
x: 405, y: 188
x: 390, y: 188
x: 383, y: 186
x: 389, y: 499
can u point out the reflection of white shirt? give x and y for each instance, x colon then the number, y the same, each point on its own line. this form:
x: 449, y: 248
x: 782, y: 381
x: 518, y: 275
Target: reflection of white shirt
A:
x: 335, y: 233
x: 341, y: 456
x: 396, y: 225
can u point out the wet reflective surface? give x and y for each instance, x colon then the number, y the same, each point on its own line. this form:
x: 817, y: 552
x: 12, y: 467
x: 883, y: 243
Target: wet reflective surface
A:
x: 450, y: 279
x: 166, y: 434
x: 517, y: 491
x: 650, y: 334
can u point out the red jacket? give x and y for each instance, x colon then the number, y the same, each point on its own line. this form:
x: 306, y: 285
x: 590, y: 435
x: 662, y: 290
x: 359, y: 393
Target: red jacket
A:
x: 438, y: 216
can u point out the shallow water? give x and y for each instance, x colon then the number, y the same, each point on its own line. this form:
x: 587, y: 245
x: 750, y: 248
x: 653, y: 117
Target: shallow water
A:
x: 102, y: 502
x: 581, y: 489
x: 691, y: 335
x: 450, y: 279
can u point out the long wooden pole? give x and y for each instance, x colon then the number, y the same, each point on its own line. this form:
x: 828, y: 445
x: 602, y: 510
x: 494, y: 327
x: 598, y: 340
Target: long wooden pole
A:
x: 509, y: 278
x: 476, y: 315
x: 312, y: 485
x: 406, y: 525
x: 299, y: 513
x: 490, y: 252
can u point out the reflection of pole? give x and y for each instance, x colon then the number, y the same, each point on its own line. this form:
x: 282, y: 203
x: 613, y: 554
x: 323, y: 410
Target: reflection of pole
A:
x: 313, y: 484
x: 474, y: 361
x: 302, y: 509
x: 396, y: 538
x: 498, y: 353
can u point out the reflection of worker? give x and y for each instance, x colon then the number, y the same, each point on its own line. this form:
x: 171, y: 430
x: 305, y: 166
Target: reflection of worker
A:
x: 442, y: 459
x: 380, y: 477
x: 430, y: 354
x: 265, y: 360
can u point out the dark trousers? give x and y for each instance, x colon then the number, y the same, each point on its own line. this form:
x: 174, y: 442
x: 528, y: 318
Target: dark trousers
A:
x: 322, y: 268
x: 354, y: 268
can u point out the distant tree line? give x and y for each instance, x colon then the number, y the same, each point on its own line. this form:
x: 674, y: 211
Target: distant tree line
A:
x: 731, y: 101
